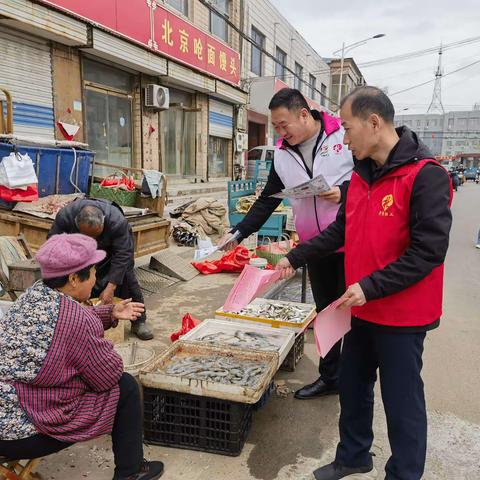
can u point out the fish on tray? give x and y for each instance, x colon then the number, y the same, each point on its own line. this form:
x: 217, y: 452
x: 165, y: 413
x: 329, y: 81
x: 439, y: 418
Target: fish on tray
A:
x: 216, y: 368
x: 241, y: 338
x: 276, y: 311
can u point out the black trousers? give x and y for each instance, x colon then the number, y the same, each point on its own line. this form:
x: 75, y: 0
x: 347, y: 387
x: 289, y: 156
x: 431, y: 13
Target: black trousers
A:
x: 398, y: 357
x: 126, y: 435
x: 327, y: 279
x: 130, y: 288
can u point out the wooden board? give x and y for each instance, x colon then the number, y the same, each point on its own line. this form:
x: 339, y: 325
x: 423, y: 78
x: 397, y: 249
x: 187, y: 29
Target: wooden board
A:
x: 173, y: 265
x: 150, y: 233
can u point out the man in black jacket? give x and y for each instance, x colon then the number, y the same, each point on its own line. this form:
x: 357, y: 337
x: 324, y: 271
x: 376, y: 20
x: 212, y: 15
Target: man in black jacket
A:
x: 395, y: 226
x: 104, y: 221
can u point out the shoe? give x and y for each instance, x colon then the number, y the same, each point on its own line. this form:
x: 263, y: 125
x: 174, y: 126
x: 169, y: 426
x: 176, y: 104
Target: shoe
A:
x: 335, y: 471
x: 316, y: 389
x: 149, y: 471
x: 477, y: 245
x: 141, y: 330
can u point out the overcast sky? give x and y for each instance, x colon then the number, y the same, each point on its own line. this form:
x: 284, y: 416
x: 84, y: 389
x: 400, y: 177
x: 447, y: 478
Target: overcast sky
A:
x: 409, y: 26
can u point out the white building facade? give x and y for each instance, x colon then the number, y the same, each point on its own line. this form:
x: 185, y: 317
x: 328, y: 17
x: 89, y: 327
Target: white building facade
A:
x: 450, y: 134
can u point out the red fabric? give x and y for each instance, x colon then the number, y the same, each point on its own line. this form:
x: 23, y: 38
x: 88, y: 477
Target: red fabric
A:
x: 378, y: 233
x: 188, y: 322
x: 19, y: 195
x: 232, y: 261
x: 75, y: 394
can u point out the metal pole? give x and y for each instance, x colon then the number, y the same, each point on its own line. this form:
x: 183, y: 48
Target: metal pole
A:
x: 341, y: 76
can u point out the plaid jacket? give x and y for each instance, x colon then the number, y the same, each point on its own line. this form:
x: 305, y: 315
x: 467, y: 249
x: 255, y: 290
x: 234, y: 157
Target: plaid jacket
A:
x: 75, y: 394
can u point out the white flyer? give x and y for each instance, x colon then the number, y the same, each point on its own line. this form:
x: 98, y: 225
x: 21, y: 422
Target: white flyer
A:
x: 304, y: 190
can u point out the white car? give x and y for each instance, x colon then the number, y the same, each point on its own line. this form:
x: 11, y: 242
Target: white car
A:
x: 262, y: 152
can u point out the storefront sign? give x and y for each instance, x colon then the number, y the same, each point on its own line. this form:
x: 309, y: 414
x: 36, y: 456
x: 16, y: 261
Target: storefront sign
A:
x: 155, y: 27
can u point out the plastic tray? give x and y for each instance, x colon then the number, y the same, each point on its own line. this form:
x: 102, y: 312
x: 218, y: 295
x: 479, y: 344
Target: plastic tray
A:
x: 283, y: 338
x: 296, y: 327
x: 154, y: 375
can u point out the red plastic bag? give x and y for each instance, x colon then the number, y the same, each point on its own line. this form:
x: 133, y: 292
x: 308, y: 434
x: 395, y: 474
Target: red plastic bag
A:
x: 188, y: 322
x: 19, y: 195
x: 120, y: 180
x: 232, y: 261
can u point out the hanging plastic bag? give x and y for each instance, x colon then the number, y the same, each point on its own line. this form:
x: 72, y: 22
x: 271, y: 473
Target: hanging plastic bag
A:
x: 188, y: 322
x: 16, y: 170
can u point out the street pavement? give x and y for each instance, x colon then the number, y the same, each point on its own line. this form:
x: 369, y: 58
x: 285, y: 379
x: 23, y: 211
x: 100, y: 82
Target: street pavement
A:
x: 290, y: 438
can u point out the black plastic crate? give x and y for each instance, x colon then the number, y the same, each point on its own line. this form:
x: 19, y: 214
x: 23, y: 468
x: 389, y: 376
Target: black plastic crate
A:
x: 180, y: 420
x: 295, y: 354
x: 264, y: 398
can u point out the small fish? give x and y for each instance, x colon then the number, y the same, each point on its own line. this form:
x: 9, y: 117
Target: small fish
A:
x: 277, y: 311
x: 218, y: 369
x: 246, y: 339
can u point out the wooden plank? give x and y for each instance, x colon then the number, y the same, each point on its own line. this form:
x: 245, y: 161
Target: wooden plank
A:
x: 173, y: 265
x: 154, y: 237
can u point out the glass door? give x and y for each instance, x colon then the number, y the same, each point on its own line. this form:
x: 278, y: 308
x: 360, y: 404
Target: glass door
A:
x: 109, y: 126
x: 217, y: 156
x: 178, y: 141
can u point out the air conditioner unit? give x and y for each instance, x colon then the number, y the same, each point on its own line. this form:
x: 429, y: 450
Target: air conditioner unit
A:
x: 241, y: 141
x: 157, y: 97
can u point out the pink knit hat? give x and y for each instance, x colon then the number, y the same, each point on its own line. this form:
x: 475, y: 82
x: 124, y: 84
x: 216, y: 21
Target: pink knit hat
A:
x: 67, y: 253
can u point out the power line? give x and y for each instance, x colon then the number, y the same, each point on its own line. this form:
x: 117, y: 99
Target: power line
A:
x: 419, y: 53
x: 433, y: 79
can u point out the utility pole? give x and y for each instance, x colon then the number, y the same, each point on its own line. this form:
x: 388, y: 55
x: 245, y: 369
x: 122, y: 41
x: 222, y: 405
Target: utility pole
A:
x: 436, y: 105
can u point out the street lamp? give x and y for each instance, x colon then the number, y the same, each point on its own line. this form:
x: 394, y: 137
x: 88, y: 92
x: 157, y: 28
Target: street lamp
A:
x: 344, y: 49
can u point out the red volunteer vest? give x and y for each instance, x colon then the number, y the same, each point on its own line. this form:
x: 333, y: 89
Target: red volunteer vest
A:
x: 378, y: 233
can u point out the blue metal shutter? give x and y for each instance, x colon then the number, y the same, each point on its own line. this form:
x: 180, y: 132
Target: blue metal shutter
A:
x: 220, y: 119
x: 26, y: 71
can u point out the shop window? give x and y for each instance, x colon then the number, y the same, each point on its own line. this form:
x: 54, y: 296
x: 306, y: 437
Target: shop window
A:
x: 218, y: 25
x: 280, y: 64
x: 108, y: 113
x: 218, y: 156
x: 257, y: 54
x: 101, y: 74
x: 323, y: 96
x: 180, y: 5
x: 178, y: 132
x: 298, y: 76
x: 313, y: 87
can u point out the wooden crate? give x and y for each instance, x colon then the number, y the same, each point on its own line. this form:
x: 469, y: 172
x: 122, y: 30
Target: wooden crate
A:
x: 151, y: 232
x: 23, y: 274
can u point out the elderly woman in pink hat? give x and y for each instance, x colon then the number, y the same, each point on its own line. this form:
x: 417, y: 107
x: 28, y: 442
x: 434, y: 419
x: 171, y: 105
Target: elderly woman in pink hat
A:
x: 61, y: 382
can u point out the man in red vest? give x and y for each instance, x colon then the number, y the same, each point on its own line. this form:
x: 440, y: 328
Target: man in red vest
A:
x: 395, y: 227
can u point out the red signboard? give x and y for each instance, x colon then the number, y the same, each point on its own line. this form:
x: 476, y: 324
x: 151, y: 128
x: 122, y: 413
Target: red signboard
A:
x: 153, y: 26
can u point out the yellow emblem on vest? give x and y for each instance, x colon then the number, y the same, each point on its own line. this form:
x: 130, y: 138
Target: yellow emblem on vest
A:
x: 387, y: 202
